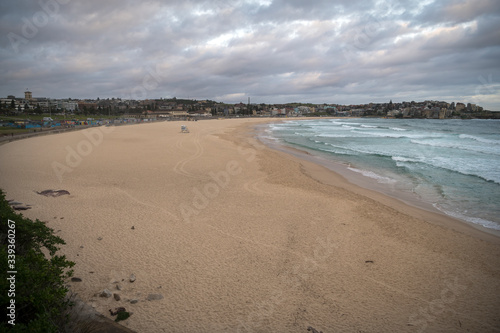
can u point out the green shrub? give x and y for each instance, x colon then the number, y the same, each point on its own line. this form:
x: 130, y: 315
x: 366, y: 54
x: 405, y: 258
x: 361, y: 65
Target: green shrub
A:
x: 40, y: 274
x: 122, y: 316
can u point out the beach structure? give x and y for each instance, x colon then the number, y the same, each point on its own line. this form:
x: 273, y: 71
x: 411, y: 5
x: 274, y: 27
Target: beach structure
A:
x: 184, y: 129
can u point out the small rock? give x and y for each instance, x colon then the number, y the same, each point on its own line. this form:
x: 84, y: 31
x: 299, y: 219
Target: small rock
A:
x: 106, y: 293
x: 133, y: 301
x: 21, y: 207
x: 154, y: 297
x: 53, y: 193
x: 117, y: 310
x: 81, y: 246
x: 76, y: 279
x: 116, y: 297
x: 313, y: 330
x: 99, y: 238
x: 132, y: 228
x: 119, y: 287
x: 132, y: 278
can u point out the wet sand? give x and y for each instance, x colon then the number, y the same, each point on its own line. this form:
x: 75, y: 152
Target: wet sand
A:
x: 236, y: 236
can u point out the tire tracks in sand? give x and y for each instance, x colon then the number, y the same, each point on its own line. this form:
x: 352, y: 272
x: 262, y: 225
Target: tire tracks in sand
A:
x: 180, y: 166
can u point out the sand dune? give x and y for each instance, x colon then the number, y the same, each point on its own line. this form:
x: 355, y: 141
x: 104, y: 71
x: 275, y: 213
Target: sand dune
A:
x: 238, y: 237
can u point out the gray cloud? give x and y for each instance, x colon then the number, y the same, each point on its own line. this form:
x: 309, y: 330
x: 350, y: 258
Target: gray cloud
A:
x: 274, y: 51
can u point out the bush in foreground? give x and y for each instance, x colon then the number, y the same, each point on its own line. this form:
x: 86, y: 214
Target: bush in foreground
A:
x: 37, y: 288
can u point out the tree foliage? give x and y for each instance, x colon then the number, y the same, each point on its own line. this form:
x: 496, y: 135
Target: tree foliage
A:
x: 39, y: 282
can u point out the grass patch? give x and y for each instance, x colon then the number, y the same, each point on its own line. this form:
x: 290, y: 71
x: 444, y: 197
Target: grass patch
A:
x: 9, y: 130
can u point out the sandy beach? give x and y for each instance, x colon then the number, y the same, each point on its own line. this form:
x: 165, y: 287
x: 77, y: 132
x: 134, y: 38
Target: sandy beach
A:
x: 224, y: 234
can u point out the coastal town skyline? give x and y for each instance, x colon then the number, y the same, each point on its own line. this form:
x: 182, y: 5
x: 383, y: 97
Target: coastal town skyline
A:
x: 179, y: 107
x: 276, y: 52
x: 28, y: 97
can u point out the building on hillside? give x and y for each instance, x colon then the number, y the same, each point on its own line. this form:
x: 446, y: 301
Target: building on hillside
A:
x: 68, y: 106
x: 87, y: 106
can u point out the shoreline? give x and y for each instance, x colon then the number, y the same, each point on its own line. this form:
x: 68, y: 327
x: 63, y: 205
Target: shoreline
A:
x: 236, y: 236
x: 371, y: 188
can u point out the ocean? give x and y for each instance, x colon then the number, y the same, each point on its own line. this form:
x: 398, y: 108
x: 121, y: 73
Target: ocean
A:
x: 453, y: 165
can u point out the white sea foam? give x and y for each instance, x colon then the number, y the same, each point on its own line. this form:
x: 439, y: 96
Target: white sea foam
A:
x: 349, y: 123
x: 475, y: 220
x: 332, y: 136
x: 401, y: 135
x: 269, y: 138
x: 465, y: 167
x: 486, y: 149
x: 306, y: 134
x: 334, y: 151
x: 404, y: 159
x: 373, y: 175
x: 434, y: 144
x: 480, y: 139
x: 279, y: 128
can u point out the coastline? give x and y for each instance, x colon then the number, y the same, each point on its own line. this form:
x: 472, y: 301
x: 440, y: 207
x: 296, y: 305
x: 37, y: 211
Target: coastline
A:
x: 357, y: 183
x: 236, y: 236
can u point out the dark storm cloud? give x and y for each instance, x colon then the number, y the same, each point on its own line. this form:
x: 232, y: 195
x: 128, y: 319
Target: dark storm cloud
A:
x: 274, y: 51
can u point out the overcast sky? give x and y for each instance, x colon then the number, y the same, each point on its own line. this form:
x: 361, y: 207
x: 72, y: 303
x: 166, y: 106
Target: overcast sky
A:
x: 273, y: 51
